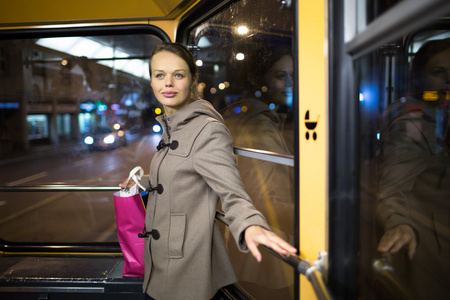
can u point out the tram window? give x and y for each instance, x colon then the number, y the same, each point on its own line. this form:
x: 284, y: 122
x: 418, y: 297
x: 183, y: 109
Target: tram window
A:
x: 405, y: 179
x: 55, y: 91
x: 244, y: 56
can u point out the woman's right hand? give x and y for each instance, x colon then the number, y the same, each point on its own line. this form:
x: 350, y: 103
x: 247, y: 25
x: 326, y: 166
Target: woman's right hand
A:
x: 395, y: 238
x: 124, y: 184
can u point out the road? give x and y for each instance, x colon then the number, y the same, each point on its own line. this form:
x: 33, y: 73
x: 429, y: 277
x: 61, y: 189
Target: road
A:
x: 68, y: 217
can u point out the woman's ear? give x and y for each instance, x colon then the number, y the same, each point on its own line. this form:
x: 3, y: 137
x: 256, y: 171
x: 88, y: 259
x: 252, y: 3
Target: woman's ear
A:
x: 195, y: 80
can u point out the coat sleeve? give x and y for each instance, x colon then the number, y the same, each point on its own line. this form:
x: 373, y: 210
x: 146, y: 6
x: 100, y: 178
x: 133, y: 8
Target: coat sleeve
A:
x: 214, y: 160
x: 403, y: 159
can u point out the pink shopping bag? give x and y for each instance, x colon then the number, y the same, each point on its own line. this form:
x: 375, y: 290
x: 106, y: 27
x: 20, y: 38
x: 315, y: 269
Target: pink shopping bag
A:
x: 130, y: 220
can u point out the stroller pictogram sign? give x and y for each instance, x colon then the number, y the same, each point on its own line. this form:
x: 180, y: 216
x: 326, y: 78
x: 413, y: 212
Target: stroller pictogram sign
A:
x: 310, y: 126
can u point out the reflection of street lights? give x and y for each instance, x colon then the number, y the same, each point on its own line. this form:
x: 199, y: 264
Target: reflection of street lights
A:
x: 240, y: 56
x: 242, y: 30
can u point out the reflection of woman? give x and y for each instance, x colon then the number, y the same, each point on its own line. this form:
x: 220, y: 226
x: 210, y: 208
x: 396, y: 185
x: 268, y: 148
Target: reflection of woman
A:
x: 266, y: 103
x: 413, y: 205
x: 194, y: 166
x: 260, y: 125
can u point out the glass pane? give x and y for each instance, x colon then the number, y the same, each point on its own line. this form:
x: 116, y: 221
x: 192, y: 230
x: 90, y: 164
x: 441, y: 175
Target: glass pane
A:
x: 74, y: 110
x: 246, y: 68
x: 404, y: 95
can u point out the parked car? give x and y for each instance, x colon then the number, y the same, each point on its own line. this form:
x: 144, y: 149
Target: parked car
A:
x: 105, y: 138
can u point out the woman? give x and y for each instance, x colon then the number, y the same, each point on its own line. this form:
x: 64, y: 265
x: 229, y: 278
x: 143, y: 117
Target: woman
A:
x: 413, y: 205
x: 194, y: 166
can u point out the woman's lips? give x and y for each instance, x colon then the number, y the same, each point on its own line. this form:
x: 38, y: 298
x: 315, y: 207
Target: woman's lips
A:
x: 169, y: 94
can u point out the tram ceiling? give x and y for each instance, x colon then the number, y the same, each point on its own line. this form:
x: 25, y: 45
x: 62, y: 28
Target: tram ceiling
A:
x: 21, y: 12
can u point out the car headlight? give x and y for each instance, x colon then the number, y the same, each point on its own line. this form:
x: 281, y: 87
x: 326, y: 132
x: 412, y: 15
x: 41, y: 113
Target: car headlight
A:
x: 89, y: 140
x: 109, y: 139
x: 156, y: 128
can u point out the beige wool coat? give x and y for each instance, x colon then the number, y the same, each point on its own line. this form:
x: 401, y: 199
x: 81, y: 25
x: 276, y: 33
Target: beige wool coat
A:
x: 193, y: 168
x: 414, y: 189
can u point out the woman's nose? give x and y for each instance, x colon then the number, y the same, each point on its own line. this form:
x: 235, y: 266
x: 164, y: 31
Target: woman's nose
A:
x: 288, y: 82
x: 169, y: 81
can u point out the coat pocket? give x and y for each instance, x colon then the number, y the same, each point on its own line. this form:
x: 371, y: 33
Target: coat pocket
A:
x: 442, y: 228
x: 176, y: 235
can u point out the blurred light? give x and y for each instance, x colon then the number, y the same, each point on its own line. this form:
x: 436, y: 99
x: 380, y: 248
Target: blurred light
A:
x: 264, y: 89
x: 242, y: 30
x: 430, y: 95
x: 237, y: 110
x: 156, y: 128
x: 116, y: 126
x: 64, y: 62
x: 9, y: 105
x: 216, y: 68
x: 199, y: 63
x: 378, y: 136
x: 221, y: 86
x: 87, y: 106
x: 89, y: 140
x: 361, y: 97
x: 204, y: 42
x: 109, y: 139
x: 227, y: 84
x: 158, y: 111
x: 82, y: 46
x: 120, y: 133
x: 240, y: 56
x: 272, y: 106
x: 213, y: 91
x: 115, y: 106
x: 289, y: 98
x: 258, y: 94
x: 244, y: 108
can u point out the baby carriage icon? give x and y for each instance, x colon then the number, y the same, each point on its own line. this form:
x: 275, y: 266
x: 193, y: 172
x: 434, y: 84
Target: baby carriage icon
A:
x: 310, y: 126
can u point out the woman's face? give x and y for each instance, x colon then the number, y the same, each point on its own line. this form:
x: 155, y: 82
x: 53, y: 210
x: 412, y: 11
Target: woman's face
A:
x: 437, y: 72
x: 279, y: 81
x: 171, y: 81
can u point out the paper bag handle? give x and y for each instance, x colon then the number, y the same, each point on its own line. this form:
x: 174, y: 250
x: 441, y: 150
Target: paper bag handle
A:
x: 136, y: 176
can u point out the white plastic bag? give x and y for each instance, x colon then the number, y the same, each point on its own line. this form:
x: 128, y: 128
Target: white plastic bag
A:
x: 137, y: 179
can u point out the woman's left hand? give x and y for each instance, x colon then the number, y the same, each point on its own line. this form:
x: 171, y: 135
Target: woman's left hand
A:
x: 256, y: 235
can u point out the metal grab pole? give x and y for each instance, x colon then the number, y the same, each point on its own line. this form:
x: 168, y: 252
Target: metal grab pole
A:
x: 315, y: 277
x: 59, y: 187
x: 301, y: 266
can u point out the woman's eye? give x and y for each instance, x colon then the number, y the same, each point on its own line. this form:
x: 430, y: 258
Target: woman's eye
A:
x: 179, y: 75
x: 438, y: 72
x: 159, y: 76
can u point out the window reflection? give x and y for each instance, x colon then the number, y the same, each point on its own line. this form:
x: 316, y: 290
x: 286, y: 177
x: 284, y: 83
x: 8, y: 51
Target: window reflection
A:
x: 244, y: 55
x: 405, y: 174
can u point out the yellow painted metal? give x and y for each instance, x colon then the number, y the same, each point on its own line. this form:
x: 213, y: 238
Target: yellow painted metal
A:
x: 313, y: 139
x: 20, y: 12
x: 167, y: 5
x: 49, y: 11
